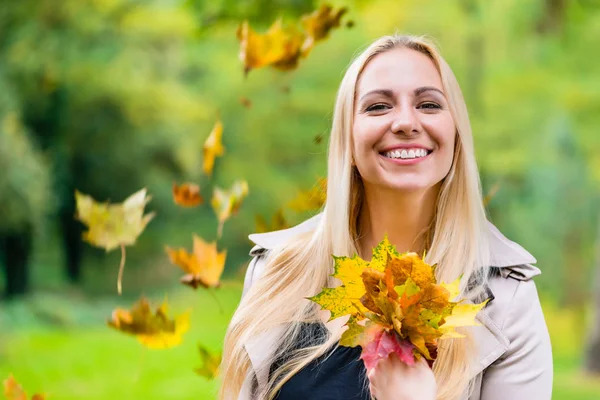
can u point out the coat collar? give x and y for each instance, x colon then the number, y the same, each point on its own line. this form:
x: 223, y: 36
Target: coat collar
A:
x: 509, y: 258
x: 504, y: 253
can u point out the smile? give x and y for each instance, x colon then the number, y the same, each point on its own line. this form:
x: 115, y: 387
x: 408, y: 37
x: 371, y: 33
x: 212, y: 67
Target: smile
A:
x: 406, y: 154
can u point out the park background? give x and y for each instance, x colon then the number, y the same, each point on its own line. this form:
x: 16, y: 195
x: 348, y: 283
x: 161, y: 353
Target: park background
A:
x: 109, y: 96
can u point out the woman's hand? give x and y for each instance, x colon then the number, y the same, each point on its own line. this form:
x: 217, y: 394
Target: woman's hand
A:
x: 392, y: 379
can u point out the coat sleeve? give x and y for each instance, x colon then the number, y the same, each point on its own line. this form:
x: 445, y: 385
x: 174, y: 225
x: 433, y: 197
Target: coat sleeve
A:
x: 524, y: 372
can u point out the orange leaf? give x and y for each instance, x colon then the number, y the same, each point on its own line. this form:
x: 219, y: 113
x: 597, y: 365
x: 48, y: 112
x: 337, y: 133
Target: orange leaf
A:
x: 203, y: 267
x: 187, y: 195
x: 153, y: 329
x: 213, y: 147
x: 14, y: 391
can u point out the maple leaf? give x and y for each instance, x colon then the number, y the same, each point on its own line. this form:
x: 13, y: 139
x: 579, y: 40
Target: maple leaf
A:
x: 187, y: 195
x: 278, y: 222
x: 213, y: 147
x: 210, y: 363
x: 152, y: 329
x: 344, y: 299
x: 397, y: 297
x: 227, y: 202
x: 279, y: 47
x: 14, y: 391
x: 113, y: 225
x: 203, y: 267
x: 319, y: 23
x: 312, y: 199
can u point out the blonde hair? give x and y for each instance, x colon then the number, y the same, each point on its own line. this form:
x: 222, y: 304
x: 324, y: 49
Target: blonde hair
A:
x: 302, y: 267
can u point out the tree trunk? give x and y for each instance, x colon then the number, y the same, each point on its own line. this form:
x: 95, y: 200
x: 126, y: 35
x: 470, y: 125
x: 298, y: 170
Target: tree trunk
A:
x: 16, y: 252
x: 592, y: 361
x: 71, y: 232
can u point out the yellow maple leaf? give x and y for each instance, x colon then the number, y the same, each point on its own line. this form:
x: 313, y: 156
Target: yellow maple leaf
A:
x: 319, y: 23
x: 113, y: 225
x: 152, y: 329
x: 279, y: 47
x: 210, y: 363
x: 227, y: 202
x: 462, y: 315
x: 203, y: 267
x: 278, y: 222
x: 311, y: 200
x: 344, y: 299
x: 14, y: 391
x: 213, y: 147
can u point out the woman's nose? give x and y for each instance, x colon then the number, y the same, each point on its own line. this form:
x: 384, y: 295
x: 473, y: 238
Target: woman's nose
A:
x: 405, y: 122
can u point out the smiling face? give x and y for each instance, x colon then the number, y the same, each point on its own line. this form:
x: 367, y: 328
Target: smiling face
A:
x: 404, y: 133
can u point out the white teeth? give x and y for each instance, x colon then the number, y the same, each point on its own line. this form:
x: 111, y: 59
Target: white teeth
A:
x: 406, y: 154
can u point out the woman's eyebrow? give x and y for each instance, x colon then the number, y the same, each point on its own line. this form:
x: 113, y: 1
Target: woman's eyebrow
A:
x: 424, y: 89
x: 390, y: 93
x: 385, y: 92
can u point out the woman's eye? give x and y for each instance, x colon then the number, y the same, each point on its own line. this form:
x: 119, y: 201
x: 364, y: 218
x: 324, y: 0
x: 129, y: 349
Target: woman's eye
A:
x: 430, y: 106
x: 377, y: 107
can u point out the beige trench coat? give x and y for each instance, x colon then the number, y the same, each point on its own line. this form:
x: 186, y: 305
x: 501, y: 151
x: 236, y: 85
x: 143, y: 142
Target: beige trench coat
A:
x: 514, y: 359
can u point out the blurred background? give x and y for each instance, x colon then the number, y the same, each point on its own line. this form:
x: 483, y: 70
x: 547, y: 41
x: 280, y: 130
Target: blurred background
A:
x: 110, y: 96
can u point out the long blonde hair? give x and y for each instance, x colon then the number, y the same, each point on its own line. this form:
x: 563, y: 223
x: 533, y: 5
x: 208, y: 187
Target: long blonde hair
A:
x: 302, y: 267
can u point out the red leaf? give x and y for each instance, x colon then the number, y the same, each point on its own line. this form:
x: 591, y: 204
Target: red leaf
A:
x: 383, y: 344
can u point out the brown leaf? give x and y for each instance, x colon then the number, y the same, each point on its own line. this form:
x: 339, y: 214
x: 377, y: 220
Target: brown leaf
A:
x: 278, y: 222
x: 187, y: 195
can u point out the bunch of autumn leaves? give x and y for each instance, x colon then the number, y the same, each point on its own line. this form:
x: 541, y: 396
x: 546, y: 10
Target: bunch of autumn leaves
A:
x: 395, y: 306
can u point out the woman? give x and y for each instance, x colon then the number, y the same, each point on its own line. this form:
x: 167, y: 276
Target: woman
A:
x: 401, y: 163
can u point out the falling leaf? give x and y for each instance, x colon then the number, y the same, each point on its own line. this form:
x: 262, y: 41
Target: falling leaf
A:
x: 210, y: 363
x: 279, y: 47
x: 491, y: 193
x: 113, y: 225
x: 227, y: 202
x: 282, y: 46
x: 213, y: 147
x: 187, y: 195
x: 318, y: 24
x: 153, y: 329
x: 203, y: 267
x: 395, y: 305
x: 246, y: 102
x: 14, y: 391
x: 312, y: 199
x: 278, y: 222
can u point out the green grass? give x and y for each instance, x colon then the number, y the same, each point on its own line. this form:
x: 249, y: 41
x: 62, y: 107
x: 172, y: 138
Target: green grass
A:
x: 58, y: 344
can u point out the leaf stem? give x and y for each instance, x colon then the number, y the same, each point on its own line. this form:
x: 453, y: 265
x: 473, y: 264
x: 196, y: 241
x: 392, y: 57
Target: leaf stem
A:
x: 121, y: 268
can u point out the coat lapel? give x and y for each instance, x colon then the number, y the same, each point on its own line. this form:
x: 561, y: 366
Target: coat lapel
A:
x: 510, y: 258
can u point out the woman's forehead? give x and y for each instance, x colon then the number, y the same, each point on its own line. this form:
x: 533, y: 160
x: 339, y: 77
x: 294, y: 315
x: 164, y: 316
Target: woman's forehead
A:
x: 399, y: 70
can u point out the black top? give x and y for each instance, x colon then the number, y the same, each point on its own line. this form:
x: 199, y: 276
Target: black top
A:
x: 342, y: 375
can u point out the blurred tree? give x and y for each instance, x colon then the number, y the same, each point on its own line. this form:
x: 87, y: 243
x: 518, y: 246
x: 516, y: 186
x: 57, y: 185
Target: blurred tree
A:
x: 25, y: 196
x: 101, y: 89
x: 592, y: 358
